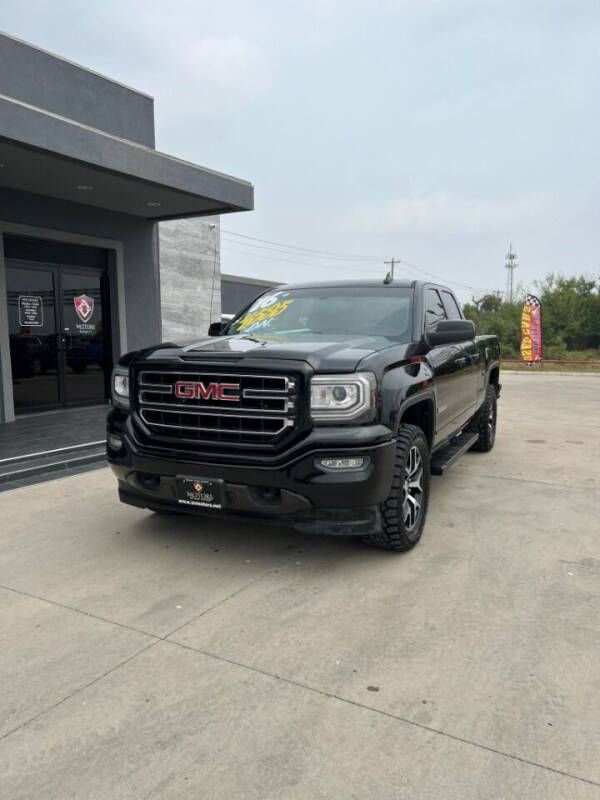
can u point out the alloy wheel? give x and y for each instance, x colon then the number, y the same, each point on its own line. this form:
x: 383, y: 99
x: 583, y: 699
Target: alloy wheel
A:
x: 412, y: 488
x: 491, y: 421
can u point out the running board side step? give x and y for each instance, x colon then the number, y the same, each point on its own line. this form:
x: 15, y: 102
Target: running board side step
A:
x: 443, y: 459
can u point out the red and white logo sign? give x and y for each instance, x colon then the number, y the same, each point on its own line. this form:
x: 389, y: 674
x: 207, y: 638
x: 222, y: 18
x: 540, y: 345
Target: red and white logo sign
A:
x: 84, y: 306
x: 196, y: 390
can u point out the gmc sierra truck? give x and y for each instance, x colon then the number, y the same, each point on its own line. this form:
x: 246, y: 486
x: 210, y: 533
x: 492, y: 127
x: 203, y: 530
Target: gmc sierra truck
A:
x: 325, y: 406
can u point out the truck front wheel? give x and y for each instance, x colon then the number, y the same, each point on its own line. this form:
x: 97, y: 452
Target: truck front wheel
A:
x: 403, y: 513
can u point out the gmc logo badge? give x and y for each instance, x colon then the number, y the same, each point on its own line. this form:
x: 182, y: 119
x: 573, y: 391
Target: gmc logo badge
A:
x: 196, y: 390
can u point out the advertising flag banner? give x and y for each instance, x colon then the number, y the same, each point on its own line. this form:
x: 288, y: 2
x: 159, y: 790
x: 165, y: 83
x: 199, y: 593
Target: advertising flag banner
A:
x: 531, y: 330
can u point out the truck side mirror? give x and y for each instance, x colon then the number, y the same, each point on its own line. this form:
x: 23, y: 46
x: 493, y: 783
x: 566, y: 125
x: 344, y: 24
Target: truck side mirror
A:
x: 449, y: 331
x: 216, y: 328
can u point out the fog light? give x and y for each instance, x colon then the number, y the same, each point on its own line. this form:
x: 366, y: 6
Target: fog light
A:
x: 114, y: 442
x: 353, y: 462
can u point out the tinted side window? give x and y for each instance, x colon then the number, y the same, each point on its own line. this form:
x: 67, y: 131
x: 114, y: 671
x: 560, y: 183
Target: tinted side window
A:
x: 452, y: 308
x: 434, y: 309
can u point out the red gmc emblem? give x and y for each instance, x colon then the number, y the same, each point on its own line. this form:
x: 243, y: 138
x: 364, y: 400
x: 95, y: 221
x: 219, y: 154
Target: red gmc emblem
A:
x: 196, y: 390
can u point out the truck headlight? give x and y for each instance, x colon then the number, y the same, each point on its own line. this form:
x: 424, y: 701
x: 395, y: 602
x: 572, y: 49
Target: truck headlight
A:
x: 120, y: 387
x: 341, y: 397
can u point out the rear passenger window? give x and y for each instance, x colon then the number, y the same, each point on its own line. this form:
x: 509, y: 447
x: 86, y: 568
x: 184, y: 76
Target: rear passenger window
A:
x: 452, y: 308
x: 434, y: 309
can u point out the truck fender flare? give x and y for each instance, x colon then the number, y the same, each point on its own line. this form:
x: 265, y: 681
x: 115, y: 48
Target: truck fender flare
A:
x: 427, y: 396
x: 491, y: 366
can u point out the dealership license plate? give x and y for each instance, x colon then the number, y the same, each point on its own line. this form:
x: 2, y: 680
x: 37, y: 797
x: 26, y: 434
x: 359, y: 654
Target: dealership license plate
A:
x: 201, y: 492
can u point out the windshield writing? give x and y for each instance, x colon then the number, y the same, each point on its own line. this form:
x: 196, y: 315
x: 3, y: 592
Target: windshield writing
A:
x: 366, y: 311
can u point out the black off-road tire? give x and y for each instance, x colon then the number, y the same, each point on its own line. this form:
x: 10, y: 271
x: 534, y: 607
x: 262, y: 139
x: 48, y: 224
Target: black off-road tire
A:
x: 397, y: 532
x: 484, y: 422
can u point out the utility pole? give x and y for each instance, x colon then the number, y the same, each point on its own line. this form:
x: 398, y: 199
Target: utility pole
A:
x: 511, y: 264
x: 390, y: 276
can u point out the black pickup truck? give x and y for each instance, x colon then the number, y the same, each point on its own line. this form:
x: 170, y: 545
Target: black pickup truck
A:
x: 325, y: 406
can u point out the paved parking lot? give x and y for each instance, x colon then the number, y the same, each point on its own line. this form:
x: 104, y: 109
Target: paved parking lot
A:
x: 151, y: 657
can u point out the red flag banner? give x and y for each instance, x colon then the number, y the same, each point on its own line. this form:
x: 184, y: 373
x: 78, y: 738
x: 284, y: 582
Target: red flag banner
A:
x: 531, y: 329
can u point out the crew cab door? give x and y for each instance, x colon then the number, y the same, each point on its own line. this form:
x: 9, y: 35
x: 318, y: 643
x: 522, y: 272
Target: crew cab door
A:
x: 452, y: 368
x: 469, y: 347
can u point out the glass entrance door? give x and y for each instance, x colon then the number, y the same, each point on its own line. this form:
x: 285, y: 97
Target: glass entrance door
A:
x: 32, y: 327
x: 84, y: 337
x: 59, y: 326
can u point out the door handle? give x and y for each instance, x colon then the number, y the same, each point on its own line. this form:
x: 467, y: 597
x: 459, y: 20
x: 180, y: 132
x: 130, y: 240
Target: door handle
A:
x: 460, y: 362
x: 475, y: 358
x: 63, y: 341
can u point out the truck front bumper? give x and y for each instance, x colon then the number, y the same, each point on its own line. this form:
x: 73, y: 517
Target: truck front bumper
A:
x: 296, y: 491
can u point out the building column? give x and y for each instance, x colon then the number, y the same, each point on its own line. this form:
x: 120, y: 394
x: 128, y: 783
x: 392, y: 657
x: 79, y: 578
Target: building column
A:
x: 190, y: 276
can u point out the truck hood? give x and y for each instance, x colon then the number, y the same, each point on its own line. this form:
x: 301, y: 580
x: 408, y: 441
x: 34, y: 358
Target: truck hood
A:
x: 323, y: 353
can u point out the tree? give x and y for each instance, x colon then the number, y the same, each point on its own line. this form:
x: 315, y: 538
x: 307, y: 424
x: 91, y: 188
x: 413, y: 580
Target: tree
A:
x: 570, y: 318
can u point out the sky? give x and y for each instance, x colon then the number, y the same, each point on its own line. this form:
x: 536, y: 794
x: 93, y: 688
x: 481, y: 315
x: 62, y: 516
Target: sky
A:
x: 434, y: 131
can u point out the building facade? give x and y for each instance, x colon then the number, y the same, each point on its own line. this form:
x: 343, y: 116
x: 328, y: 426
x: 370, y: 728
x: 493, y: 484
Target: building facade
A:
x: 106, y: 244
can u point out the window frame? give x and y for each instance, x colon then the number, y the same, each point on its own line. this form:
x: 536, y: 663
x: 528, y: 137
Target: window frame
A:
x: 455, y: 301
x: 430, y: 325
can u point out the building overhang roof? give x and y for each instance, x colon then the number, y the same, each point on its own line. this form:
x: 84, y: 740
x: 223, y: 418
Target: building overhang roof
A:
x: 47, y: 154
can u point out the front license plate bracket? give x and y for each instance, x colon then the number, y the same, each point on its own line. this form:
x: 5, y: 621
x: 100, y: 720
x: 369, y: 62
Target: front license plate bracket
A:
x: 201, y: 492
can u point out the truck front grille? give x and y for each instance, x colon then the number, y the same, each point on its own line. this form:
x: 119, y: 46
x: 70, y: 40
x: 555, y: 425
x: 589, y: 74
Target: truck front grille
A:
x: 216, y: 406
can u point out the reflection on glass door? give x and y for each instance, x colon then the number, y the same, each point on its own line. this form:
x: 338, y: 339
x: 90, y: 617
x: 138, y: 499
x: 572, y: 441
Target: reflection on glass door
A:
x: 59, y: 326
x: 31, y: 295
x: 84, y: 334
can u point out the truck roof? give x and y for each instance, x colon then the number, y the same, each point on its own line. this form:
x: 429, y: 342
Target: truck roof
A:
x: 399, y: 284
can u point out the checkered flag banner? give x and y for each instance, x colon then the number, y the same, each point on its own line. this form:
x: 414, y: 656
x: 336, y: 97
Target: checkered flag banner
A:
x: 531, y: 329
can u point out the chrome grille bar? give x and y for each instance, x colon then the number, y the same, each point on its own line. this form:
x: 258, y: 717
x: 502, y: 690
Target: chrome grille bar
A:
x: 285, y: 423
x: 264, y: 409
x: 288, y: 405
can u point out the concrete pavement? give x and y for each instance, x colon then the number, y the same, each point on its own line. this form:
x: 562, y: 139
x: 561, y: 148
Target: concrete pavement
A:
x: 144, y: 656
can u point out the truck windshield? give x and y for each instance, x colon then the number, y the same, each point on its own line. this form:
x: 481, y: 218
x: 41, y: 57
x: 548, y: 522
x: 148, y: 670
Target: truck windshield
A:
x: 343, y: 311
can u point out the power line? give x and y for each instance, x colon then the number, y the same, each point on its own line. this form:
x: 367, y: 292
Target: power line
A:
x: 345, y: 268
x: 320, y: 262
x: 304, y: 249
x: 302, y: 253
x: 295, y: 261
x: 309, y: 252
x: 280, y: 258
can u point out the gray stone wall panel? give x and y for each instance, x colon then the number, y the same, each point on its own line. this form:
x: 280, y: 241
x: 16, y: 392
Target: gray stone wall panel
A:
x: 190, y: 276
